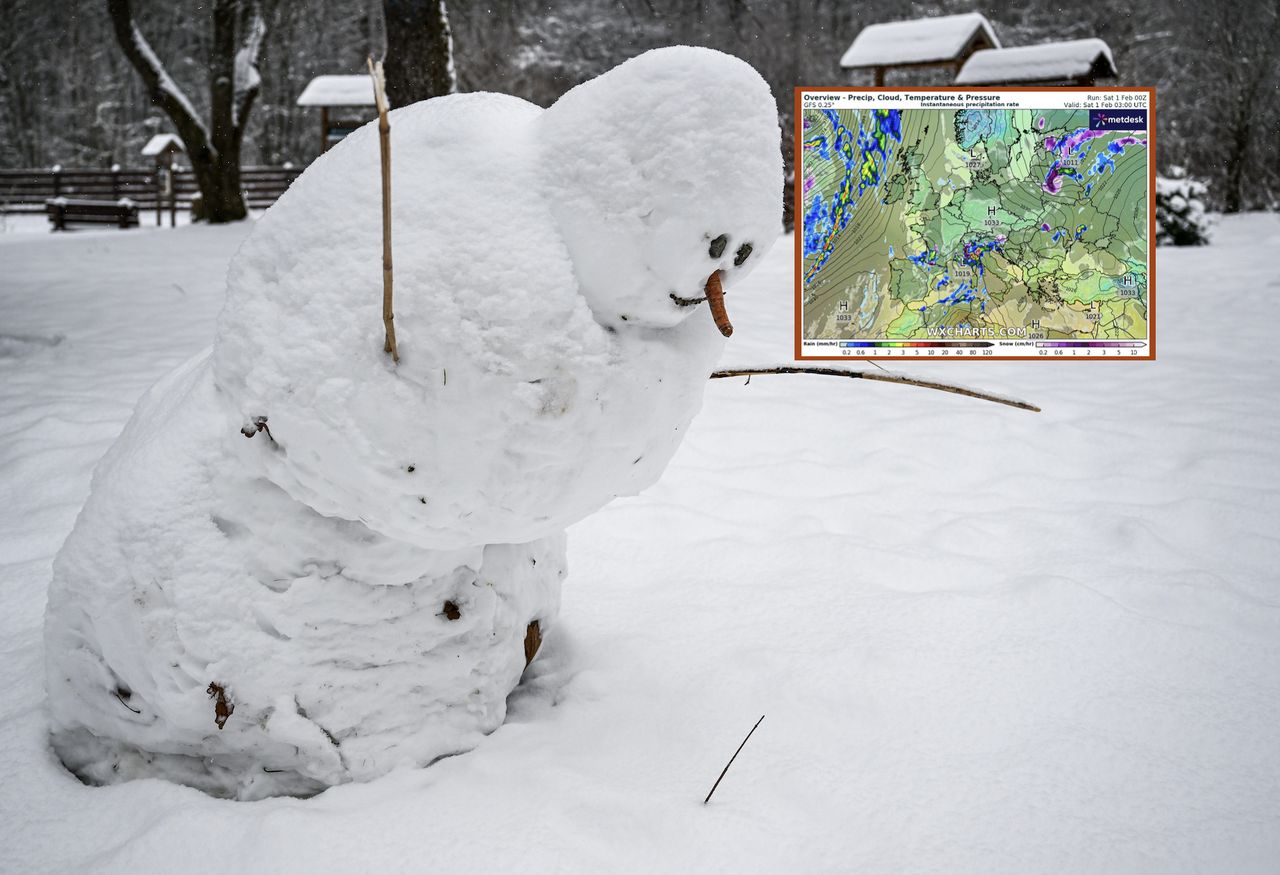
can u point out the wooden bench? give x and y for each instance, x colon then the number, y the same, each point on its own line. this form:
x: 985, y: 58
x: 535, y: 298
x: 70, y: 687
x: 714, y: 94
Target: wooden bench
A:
x: 122, y: 213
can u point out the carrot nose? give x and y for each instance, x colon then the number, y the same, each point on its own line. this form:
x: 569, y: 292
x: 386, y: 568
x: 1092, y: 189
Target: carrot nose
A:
x: 715, y: 297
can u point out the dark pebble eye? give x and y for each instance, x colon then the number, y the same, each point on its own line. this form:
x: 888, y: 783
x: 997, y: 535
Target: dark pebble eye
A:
x: 744, y: 252
x: 718, y: 245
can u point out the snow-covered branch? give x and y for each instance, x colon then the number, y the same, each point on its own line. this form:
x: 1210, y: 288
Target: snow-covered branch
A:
x: 164, y: 92
x: 451, y: 71
x: 247, y: 79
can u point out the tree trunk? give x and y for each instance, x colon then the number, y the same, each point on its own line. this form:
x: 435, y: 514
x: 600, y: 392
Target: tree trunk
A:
x: 214, y: 151
x: 1237, y: 156
x: 419, y: 63
x: 222, y: 199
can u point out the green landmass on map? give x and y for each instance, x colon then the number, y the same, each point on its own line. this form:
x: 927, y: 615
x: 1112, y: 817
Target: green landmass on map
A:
x: 936, y: 224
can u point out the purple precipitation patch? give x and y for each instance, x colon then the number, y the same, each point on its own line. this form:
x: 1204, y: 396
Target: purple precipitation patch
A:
x: 1064, y: 147
x: 1052, y: 184
x: 808, y: 183
x: 1071, y: 142
x: 1040, y: 124
x: 1044, y: 227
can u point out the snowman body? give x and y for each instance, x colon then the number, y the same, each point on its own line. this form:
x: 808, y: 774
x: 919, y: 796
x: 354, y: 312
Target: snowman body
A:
x: 302, y: 564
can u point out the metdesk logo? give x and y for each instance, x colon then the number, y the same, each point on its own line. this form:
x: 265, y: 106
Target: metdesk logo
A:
x: 1117, y: 119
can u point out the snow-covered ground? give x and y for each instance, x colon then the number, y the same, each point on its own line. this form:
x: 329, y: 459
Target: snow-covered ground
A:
x: 985, y: 640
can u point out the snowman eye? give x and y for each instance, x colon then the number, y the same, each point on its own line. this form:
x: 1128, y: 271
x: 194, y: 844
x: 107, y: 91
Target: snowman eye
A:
x: 744, y: 252
x: 718, y: 245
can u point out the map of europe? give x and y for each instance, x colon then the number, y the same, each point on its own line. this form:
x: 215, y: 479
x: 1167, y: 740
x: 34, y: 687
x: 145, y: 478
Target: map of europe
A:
x: 957, y: 223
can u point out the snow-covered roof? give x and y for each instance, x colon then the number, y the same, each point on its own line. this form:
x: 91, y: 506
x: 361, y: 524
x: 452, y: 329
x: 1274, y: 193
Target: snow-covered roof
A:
x: 1043, y: 63
x: 161, y: 143
x: 920, y: 41
x: 338, y: 91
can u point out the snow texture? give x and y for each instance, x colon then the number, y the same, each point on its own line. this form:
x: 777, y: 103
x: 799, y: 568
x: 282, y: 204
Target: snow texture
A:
x: 302, y: 565
x: 338, y: 90
x: 1039, y: 63
x: 986, y: 640
x: 918, y: 41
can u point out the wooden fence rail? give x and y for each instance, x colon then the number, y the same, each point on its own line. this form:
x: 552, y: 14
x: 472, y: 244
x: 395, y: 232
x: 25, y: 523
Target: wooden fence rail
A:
x: 25, y: 191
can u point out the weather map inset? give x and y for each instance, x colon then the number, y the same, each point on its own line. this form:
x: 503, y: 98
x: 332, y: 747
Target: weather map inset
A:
x: 974, y: 223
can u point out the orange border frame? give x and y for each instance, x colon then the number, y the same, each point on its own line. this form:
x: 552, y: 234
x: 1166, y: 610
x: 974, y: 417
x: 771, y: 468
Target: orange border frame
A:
x: 798, y: 200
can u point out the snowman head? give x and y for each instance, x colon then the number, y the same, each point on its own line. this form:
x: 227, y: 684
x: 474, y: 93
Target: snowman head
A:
x: 660, y: 173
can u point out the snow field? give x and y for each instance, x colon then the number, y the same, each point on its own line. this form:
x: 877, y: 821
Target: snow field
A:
x: 985, y: 640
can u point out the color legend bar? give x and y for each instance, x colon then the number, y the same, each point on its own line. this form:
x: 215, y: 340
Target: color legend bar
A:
x: 1113, y: 344
x: 916, y: 344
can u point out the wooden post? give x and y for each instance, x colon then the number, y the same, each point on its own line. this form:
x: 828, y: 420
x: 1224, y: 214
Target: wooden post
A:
x: 879, y: 77
x: 384, y: 147
x: 159, y: 187
x: 324, y: 129
x: 172, y: 186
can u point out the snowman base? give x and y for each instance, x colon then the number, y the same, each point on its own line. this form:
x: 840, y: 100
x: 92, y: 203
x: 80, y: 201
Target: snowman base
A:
x: 428, y: 684
x: 207, y: 628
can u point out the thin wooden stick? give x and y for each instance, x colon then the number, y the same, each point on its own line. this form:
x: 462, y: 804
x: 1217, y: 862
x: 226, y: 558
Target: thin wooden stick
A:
x: 384, y: 143
x: 731, y: 759
x: 881, y: 378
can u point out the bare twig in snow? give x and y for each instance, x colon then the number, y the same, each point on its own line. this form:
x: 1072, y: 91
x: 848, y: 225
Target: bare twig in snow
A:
x: 731, y: 759
x: 122, y: 696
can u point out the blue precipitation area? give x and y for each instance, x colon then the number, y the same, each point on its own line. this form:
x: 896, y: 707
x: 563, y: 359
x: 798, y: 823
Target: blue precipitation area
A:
x: 1104, y: 161
x: 973, y: 125
x: 964, y: 293
x: 817, y: 224
x: 863, y: 169
x: 928, y: 257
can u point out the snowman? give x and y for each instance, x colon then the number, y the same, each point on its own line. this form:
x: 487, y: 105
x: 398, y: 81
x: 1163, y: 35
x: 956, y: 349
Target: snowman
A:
x: 302, y: 564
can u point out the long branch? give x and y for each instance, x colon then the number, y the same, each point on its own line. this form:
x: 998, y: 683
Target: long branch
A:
x: 880, y: 378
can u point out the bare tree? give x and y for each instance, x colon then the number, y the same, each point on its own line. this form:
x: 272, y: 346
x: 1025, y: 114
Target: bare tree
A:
x: 1242, y: 56
x: 214, y: 151
x: 67, y: 97
x: 419, y: 62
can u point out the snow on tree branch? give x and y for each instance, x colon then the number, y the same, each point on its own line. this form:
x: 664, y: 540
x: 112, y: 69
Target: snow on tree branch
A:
x: 248, y: 56
x: 164, y: 92
x: 451, y: 71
